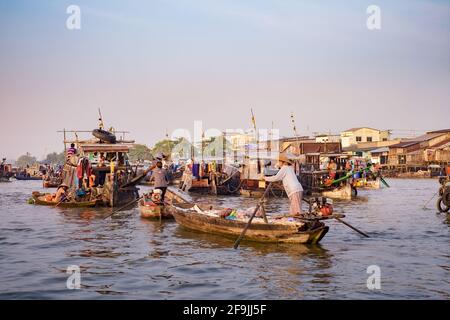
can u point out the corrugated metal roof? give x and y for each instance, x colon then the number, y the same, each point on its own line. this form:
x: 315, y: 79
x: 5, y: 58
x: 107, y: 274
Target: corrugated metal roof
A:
x: 405, y: 144
x: 440, y: 131
x: 380, y: 150
x: 355, y: 129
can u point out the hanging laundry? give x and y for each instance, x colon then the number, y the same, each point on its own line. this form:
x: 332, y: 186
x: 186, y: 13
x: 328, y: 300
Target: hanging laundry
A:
x: 196, y: 170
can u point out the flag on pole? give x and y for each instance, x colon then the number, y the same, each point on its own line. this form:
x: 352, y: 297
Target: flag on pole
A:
x: 253, y: 119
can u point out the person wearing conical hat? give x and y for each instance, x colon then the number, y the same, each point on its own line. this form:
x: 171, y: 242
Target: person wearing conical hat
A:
x: 61, y: 192
x: 291, y: 184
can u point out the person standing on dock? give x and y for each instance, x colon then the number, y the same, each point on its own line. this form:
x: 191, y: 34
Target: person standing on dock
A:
x: 159, y: 175
x: 291, y: 185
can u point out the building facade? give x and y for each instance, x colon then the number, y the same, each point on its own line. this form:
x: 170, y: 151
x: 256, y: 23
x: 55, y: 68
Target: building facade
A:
x: 354, y: 136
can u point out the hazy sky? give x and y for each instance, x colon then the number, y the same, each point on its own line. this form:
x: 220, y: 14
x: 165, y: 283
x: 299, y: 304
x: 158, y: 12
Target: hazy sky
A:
x: 152, y: 65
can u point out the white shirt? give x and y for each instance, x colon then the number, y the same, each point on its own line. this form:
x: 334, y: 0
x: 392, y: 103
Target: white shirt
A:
x: 290, y: 181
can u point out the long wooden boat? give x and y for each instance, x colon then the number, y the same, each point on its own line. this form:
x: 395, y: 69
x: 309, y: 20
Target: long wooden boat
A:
x: 26, y: 178
x: 40, y: 199
x: 276, y: 230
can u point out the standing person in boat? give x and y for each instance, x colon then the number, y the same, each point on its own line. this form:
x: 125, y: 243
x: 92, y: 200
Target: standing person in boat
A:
x: 187, y: 176
x: 101, y: 172
x: 332, y: 167
x: 72, y: 150
x: 291, y: 185
x: 159, y: 175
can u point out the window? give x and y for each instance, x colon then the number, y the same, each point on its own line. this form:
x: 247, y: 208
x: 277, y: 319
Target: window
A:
x: 402, y: 159
x: 358, y: 139
x: 369, y: 139
x: 384, y: 139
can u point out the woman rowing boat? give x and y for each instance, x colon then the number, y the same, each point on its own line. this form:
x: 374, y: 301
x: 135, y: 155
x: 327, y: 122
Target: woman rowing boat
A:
x: 291, y: 185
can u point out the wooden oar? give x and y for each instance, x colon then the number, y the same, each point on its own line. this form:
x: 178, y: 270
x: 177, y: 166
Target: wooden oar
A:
x: 123, y: 207
x: 236, y: 244
x: 351, y: 227
x: 384, y: 182
x: 425, y: 205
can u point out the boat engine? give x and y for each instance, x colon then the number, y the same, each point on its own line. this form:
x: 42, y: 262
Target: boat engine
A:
x: 322, y: 206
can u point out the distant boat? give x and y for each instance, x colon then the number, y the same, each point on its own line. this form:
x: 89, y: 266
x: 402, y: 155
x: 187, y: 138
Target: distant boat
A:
x: 25, y: 177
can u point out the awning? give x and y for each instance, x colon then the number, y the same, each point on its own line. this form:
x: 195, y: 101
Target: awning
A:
x: 104, y: 147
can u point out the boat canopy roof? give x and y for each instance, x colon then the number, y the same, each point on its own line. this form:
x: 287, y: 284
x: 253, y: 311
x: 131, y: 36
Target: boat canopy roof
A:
x: 104, y: 147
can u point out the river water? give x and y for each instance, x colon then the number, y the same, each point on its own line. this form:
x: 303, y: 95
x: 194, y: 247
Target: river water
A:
x: 127, y: 257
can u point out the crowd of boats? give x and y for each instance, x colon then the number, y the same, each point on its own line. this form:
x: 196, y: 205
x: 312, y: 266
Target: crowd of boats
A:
x: 97, y: 172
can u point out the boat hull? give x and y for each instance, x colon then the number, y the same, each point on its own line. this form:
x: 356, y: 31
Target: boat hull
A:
x: 40, y: 200
x: 154, y: 211
x: 342, y: 193
x: 259, y: 232
x: 27, y: 178
x: 258, y: 193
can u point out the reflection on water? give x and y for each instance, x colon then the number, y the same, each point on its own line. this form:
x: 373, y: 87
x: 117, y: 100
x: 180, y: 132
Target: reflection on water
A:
x: 126, y: 257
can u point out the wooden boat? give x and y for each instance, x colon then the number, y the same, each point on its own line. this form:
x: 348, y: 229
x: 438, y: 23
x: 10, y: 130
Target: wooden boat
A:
x: 6, y: 174
x: 51, y: 184
x: 25, y: 178
x: 114, y: 180
x: 344, y: 192
x: 150, y: 210
x: 153, y: 211
x: 40, y: 199
x: 368, y: 184
x: 255, y: 189
x: 196, y: 217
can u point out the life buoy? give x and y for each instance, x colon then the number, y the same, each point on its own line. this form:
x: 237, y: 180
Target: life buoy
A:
x: 104, y: 135
x: 441, y: 206
x: 446, y: 197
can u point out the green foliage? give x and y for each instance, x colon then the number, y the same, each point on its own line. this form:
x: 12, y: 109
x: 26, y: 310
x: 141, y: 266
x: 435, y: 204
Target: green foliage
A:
x: 25, y: 160
x: 140, y: 152
x: 165, y: 146
x: 55, y: 158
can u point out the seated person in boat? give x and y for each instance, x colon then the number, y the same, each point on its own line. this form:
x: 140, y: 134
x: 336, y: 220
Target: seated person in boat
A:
x: 61, y: 193
x: 159, y: 175
x: 291, y: 185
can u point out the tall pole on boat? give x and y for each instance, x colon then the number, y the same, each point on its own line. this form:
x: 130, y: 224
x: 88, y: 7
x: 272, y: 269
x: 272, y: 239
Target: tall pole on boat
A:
x: 100, y: 119
x: 65, y: 148
x: 295, y: 133
x: 257, y: 141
